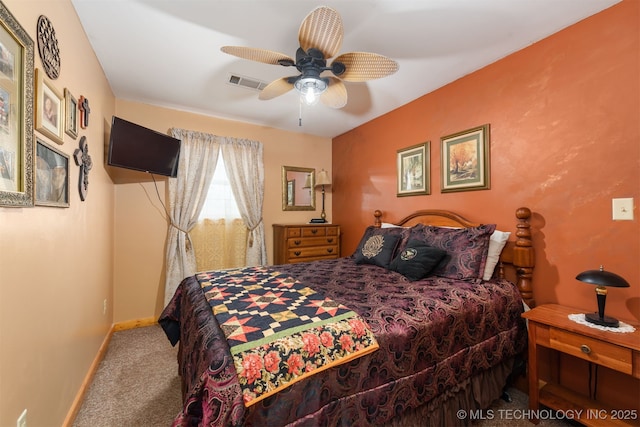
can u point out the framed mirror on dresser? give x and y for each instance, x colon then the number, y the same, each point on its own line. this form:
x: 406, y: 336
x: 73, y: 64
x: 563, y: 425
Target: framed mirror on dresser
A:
x: 298, y: 189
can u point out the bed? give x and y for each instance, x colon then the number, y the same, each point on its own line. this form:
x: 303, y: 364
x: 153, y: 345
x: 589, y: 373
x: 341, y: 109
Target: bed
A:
x: 436, y: 339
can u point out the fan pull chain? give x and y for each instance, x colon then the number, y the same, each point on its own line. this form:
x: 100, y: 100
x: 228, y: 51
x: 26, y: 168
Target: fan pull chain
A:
x: 300, y: 113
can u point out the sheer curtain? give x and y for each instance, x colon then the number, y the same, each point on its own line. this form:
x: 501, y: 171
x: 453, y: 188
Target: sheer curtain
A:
x: 245, y: 169
x: 243, y: 160
x: 220, y: 235
x: 187, y: 193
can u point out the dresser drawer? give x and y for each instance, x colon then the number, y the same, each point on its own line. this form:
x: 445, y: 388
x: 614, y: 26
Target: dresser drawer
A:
x: 314, y: 231
x: 314, y: 252
x: 301, y: 242
x: 591, y: 349
x: 293, y: 232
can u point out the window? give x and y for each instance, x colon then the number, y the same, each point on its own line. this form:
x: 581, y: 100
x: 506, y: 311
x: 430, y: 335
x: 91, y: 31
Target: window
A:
x: 220, y: 236
x: 220, y: 201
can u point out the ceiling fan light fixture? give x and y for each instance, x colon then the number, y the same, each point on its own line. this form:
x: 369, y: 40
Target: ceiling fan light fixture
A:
x: 310, y: 89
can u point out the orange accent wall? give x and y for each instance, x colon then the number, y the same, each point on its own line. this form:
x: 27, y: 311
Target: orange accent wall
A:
x: 565, y: 140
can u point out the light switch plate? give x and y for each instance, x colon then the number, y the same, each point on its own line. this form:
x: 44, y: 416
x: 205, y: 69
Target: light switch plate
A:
x: 623, y: 209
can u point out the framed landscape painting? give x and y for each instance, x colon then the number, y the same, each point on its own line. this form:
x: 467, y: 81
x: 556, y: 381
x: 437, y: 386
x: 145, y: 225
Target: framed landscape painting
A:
x: 413, y: 170
x: 465, y: 160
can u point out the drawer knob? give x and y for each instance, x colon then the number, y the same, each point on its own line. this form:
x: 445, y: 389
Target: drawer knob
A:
x: 329, y: 240
x: 330, y: 250
x: 296, y: 242
x: 314, y: 231
x: 297, y: 253
x: 585, y: 349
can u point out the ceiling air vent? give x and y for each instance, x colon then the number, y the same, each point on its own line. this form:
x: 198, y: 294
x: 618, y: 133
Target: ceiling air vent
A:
x: 248, y: 82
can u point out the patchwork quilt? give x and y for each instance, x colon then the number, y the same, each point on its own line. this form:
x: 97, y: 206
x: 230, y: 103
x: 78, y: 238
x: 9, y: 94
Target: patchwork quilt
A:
x: 279, y: 330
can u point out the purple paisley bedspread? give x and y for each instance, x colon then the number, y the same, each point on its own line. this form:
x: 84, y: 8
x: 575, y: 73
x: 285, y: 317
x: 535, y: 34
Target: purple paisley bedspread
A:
x: 433, y: 334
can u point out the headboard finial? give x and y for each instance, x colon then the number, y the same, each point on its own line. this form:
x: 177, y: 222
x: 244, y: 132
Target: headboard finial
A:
x: 377, y: 221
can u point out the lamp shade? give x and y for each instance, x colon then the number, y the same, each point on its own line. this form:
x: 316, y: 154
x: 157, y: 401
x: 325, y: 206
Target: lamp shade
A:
x: 602, y: 278
x: 323, y: 178
x: 307, y: 181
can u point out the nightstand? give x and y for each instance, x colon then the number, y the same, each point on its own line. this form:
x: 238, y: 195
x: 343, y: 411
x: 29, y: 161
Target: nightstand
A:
x: 550, y: 326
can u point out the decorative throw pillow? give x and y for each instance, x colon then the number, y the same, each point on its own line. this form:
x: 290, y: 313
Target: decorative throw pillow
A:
x: 417, y: 260
x: 497, y: 241
x: 466, y: 248
x: 377, y: 247
x: 401, y: 232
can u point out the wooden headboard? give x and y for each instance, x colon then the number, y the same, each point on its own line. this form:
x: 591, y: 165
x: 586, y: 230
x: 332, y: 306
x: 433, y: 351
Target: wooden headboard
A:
x: 518, y: 254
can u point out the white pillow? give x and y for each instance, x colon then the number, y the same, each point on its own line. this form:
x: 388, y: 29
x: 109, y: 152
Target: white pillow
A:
x: 389, y: 225
x: 497, y: 241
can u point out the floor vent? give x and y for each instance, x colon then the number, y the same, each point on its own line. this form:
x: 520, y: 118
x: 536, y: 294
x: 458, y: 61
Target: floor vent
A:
x: 247, y: 82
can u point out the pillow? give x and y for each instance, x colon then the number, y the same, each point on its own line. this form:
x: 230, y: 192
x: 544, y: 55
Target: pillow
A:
x: 416, y: 260
x: 377, y: 249
x: 390, y: 225
x: 466, y: 248
x: 401, y: 232
x: 497, y: 241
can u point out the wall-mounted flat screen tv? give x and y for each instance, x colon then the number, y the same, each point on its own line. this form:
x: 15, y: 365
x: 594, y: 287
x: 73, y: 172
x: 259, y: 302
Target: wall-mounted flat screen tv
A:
x: 132, y: 146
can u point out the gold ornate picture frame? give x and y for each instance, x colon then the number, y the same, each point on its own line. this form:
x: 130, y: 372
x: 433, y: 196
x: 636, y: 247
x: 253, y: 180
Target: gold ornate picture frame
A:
x: 16, y: 113
x: 413, y: 168
x: 49, y: 109
x: 465, y: 160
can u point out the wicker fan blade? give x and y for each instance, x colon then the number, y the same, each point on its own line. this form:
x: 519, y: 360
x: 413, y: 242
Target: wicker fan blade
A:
x: 276, y: 88
x: 259, y: 55
x: 363, y: 66
x: 322, y: 29
x: 336, y: 94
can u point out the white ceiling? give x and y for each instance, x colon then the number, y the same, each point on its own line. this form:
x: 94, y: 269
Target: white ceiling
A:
x: 167, y: 52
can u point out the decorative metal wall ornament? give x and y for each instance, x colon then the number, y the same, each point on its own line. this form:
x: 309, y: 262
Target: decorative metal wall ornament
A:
x: 48, y: 47
x: 83, y: 159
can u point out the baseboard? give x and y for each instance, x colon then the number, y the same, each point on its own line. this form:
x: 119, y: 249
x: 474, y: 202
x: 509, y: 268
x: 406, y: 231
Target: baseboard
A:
x: 120, y: 326
x: 84, y: 387
x: 132, y: 324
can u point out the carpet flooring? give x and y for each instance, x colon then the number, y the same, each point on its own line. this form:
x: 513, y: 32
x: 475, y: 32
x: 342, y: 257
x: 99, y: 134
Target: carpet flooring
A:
x: 137, y: 385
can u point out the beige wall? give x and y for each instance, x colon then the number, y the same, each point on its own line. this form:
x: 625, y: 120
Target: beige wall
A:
x: 140, y: 219
x: 56, y: 264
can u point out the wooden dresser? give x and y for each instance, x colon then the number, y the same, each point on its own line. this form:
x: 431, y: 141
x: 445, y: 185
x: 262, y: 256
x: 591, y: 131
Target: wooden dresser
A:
x: 305, y: 242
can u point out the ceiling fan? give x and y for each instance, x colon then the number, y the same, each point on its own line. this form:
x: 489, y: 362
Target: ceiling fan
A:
x: 320, y: 38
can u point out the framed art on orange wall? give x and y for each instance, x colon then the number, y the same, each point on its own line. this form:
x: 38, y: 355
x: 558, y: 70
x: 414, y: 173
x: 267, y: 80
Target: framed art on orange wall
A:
x: 465, y: 160
x: 413, y: 170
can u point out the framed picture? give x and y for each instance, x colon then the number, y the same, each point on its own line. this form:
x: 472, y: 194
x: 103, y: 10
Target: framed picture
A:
x: 49, y: 109
x: 52, y: 176
x: 465, y: 160
x: 71, y: 114
x: 414, y: 170
x: 16, y: 117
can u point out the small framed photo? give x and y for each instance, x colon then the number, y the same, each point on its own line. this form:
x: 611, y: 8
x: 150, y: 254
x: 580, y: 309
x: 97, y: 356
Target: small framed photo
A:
x: 414, y: 170
x: 465, y: 160
x: 49, y: 109
x: 52, y: 176
x: 71, y: 114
